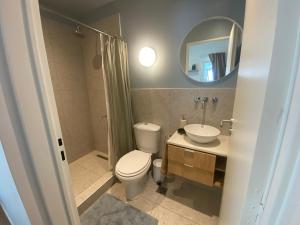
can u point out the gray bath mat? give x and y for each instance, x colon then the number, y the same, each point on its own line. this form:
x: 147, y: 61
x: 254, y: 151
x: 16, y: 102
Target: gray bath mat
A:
x: 109, y: 210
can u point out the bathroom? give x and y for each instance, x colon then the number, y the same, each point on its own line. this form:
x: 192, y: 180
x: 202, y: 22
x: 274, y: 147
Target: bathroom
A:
x: 165, y: 99
x: 144, y: 106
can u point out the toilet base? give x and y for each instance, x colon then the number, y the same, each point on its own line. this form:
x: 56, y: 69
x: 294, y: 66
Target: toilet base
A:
x: 136, y: 187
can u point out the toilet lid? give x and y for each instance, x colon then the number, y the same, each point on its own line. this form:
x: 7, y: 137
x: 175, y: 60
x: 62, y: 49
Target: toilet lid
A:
x: 133, y: 162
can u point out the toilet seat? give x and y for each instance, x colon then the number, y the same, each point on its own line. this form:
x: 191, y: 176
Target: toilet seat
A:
x: 133, y: 164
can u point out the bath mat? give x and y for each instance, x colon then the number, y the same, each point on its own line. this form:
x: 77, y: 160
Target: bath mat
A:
x: 109, y: 210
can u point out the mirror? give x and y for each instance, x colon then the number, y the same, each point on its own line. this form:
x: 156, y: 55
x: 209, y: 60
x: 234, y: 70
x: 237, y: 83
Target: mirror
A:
x: 211, y: 50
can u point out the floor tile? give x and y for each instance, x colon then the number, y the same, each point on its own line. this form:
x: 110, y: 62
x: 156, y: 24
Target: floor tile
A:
x: 170, y: 205
x: 118, y: 191
x: 82, y: 180
x: 167, y: 217
x: 143, y: 204
x: 91, y: 189
x: 86, y: 172
x: 186, y: 212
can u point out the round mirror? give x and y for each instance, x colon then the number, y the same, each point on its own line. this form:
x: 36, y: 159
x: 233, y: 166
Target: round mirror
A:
x: 211, y: 51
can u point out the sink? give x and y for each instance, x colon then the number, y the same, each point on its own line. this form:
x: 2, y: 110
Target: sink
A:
x: 201, y: 133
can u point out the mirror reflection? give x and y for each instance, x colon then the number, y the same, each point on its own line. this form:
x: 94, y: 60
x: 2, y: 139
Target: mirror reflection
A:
x: 211, y: 51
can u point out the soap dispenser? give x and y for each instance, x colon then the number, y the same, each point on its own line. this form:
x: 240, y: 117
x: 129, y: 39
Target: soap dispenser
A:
x: 182, y: 123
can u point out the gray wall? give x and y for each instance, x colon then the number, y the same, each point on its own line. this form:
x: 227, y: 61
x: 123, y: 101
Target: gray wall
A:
x: 67, y: 71
x: 78, y: 83
x: 162, y: 94
x: 166, y: 106
x: 163, y: 26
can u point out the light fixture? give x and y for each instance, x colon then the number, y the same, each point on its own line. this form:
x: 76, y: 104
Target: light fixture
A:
x: 147, y: 56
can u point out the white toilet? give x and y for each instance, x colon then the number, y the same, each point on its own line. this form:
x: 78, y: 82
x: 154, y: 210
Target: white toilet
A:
x: 132, y: 168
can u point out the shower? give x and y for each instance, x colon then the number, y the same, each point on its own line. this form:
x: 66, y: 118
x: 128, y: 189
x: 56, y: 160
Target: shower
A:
x: 78, y: 32
x: 84, y: 60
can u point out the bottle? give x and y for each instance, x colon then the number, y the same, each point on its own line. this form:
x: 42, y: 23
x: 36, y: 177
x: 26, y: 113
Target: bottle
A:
x: 182, y: 122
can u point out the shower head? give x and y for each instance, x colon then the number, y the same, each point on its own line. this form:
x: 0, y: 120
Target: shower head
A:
x: 78, y: 32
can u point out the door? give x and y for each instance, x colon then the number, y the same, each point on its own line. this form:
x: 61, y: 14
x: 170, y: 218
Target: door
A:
x: 52, y: 113
x: 261, y: 107
x: 30, y: 93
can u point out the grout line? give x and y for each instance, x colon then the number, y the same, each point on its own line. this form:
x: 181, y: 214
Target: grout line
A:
x: 170, y: 210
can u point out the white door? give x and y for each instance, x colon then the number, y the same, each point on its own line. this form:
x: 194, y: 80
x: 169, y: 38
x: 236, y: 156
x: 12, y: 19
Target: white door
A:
x: 32, y: 94
x: 52, y: 113
x: 261, y: 106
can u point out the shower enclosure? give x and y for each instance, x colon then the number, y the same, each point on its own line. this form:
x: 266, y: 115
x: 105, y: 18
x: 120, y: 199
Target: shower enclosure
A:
x: 75, y: 63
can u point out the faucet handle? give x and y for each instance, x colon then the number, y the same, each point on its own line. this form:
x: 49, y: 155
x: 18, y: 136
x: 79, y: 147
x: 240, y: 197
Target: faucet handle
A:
x: 205, y: 99
x: 197, y: 99
x: 214, y: 100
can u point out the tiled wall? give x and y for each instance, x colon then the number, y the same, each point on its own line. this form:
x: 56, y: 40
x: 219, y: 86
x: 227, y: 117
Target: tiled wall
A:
x: 68, y: 78
x: 166, y: 106
x: 75, y: 68
x: 95, y: 86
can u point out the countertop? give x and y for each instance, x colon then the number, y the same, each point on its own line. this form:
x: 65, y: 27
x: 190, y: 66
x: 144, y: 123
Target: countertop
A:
x: 218, y: 147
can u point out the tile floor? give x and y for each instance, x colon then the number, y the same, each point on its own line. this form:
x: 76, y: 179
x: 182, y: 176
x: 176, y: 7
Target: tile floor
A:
x: 88, y: 174
x: 177, y: 202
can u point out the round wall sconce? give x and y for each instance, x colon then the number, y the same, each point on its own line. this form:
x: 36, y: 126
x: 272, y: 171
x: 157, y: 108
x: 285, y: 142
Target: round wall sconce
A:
x: 147, y: 56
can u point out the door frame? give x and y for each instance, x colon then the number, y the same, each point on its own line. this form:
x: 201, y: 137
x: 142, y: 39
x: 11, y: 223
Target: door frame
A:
x: 28, y: 100
x: 29, y: 120
x: 282, y: 199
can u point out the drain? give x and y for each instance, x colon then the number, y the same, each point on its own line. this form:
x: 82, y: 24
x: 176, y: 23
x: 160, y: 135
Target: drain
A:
x: 102, y: 157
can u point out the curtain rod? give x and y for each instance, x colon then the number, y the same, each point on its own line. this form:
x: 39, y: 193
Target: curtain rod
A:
x: 43, y: 8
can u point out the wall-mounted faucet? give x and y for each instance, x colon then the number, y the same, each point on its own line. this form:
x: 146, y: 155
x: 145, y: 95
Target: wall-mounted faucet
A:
x: 203, y: 105
x: 204, y: 101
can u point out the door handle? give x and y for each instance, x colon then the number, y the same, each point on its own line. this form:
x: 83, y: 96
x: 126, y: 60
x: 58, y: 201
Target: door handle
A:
x: 188, y: 150
x: 188, y: 165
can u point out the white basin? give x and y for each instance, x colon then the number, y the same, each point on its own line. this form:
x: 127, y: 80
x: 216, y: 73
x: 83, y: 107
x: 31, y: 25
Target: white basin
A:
x: 201, y: 133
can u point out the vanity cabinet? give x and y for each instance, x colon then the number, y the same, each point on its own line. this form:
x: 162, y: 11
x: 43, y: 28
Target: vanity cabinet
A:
x: 205, y: 168
x: 202, y: 163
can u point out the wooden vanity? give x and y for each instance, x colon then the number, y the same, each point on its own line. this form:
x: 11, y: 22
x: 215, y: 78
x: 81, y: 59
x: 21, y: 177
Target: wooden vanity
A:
x: 203, y: 163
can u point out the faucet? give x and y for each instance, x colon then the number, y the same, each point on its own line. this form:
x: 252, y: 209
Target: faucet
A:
x: 204, y: 101
x: 203, y: 104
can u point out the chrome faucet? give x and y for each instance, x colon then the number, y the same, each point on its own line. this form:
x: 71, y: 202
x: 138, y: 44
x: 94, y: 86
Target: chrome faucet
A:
x: 204, y: 101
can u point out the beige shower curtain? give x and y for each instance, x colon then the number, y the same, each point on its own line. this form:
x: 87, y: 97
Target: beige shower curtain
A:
x: 118, y: 99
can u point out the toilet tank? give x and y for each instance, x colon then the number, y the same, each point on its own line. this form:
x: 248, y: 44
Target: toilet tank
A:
x: 147, y: 137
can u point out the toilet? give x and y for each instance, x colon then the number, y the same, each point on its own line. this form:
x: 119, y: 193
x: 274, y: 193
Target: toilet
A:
x: 132, y: 168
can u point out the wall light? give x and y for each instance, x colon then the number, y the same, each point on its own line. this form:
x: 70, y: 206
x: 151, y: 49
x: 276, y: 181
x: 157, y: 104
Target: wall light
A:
x: 147, y: 56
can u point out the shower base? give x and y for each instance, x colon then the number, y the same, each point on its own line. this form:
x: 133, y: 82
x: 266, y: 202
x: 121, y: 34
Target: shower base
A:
x: 90, y: 177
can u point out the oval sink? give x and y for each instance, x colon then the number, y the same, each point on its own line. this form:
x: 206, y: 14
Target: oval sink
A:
x: 201, y: 133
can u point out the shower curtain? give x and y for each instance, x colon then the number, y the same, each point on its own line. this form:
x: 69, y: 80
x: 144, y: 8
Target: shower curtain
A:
x: 232, y: 49
x: 218, y: 64
x: 118, y: 99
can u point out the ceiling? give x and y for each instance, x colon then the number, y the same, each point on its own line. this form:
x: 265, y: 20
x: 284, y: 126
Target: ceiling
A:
x: 76, y: 8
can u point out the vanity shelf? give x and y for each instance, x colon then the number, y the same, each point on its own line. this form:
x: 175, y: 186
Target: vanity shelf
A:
x: 219, y: 179
x: 221, y: 164
x: 205, y: 164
